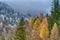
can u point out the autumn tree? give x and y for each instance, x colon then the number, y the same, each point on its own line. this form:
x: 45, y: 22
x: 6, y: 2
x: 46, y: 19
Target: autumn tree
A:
x: 35, y: 34
x: 28, y: 29
x: 36, y: 23
x: 31, y: 21
x: 20, y: 30
x: 54, y: 32
x: 44, y: 31
x: 40, y: 15
x: 44, y: 21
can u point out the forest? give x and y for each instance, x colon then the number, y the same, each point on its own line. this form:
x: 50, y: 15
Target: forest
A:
x: 45, y: 27
x: 41, y: 27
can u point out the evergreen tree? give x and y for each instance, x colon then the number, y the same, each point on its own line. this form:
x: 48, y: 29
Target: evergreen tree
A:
x: 21, y: 22
x: 55, y: 14
x: 20, y: 30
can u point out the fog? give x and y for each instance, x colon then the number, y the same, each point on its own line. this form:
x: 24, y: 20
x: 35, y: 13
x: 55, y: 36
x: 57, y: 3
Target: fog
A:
x: 27, y: 5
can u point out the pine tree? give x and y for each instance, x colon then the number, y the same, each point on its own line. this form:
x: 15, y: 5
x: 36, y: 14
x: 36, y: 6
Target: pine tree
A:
x: 55, y: 8
x: 44, y: 31
x: 55, y: 14
x: 54, y: 32
x: 20, y: 31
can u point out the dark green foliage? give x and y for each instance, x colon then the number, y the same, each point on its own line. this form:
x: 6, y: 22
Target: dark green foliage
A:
x: 20, y: 31
x: 21, y: 22
x: 55, y: 14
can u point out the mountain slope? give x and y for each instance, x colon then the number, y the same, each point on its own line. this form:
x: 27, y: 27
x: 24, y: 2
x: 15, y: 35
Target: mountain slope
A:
x: 8, y: 15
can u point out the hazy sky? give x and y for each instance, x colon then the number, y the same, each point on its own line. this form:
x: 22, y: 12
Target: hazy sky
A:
x: 26, y: 5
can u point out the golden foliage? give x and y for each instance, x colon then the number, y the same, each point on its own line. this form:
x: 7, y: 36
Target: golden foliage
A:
x: 33, y: 31
x: 44, y: 32
x: 54, y: 32
x: 35, y: 35
x: 36, y: 23
x: 31, y: 21
x: 45, y: 21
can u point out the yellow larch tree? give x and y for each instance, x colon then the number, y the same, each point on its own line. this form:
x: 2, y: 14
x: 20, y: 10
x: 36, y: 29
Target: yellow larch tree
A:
x: 44, y: 31
x: 35, y: 34
x: 31, y: 21
x: 44, y: 21
x: 54, y: 32
x: 36, y: 23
